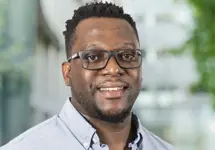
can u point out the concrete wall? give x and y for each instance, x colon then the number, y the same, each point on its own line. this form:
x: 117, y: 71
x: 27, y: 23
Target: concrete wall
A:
x: 156, y: 34
x: 162, y: 25
x: 48, y: 89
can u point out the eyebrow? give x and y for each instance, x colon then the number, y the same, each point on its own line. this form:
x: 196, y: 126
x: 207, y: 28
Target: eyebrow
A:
x: 127, y: 44
x: 131, y: 44
x: 88, y: 46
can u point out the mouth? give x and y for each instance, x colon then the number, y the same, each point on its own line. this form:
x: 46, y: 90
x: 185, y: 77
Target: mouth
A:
x: 112, y: 92
x: 105, y: 89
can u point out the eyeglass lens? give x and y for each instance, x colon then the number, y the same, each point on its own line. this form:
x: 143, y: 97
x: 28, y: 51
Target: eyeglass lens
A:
x: 96, y: 59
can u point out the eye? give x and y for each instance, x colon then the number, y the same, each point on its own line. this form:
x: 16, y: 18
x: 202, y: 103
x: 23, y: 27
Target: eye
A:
x: 127, y: 56
x: 92, y: 57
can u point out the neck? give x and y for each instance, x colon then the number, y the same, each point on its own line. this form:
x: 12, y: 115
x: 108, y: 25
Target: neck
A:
x: 115, y: 135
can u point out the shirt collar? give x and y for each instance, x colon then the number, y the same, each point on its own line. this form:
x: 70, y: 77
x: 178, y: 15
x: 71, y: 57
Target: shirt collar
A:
x: 84, y: 132
x: 139, y: 134
x: 79, y: 127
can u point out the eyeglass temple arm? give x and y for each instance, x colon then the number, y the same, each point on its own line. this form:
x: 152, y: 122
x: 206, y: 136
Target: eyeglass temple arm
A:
x: 76, y: 55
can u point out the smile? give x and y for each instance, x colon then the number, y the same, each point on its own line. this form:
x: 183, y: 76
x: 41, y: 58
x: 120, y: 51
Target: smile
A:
x: 112, y: 92
x: 111, y: 89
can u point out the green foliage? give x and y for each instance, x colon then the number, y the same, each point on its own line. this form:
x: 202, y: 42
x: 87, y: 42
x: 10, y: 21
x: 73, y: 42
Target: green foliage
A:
x: 10, y: 51
x: 202, y: 45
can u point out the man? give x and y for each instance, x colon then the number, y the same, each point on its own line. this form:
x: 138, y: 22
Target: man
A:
x: 104, y: 73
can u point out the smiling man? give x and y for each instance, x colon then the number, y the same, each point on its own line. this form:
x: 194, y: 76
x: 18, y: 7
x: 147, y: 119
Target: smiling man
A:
x: 103, y: 69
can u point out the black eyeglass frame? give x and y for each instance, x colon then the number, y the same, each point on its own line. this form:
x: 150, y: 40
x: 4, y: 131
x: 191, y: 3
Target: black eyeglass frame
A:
x: 111, y: 53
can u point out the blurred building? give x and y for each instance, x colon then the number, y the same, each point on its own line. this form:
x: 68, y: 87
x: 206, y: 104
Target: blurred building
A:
x: 164, y: 105
x: 17, y: 42
x: 162, y: 25
x: 165, y: 101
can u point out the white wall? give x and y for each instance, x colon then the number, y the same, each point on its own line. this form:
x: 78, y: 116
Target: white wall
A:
x: 155, y: 35
x: 48, y: 89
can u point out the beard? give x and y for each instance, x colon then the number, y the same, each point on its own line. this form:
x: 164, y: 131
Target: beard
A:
x: 113, y: 117
x: 87, y: 102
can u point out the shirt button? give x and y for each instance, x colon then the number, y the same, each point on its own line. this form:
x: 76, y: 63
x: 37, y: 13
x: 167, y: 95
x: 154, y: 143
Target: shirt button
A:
x: 86, y: 144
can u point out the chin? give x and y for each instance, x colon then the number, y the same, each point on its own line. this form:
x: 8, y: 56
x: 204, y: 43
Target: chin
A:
x: 113, y: 115
x: 113, y: 112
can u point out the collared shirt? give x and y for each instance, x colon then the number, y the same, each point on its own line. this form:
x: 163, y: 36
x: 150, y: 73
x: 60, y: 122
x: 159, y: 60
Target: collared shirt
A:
x: 70, y: 131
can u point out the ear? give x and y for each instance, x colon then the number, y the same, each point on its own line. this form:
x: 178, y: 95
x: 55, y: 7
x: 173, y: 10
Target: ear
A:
x: 66, y: 73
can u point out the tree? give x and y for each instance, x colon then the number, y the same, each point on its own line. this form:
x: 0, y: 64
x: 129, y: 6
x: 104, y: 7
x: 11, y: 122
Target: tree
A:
x: 202, y: 45
x: 14, y: 80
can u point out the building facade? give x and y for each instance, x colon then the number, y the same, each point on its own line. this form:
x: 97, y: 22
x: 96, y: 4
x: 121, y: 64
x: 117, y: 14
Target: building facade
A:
x: 164, y: 105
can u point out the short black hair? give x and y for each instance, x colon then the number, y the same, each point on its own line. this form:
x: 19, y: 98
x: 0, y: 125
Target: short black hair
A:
x: 94, y: 9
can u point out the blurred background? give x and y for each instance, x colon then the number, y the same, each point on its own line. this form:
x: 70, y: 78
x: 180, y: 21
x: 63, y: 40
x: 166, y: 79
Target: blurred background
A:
x: 177, y: 100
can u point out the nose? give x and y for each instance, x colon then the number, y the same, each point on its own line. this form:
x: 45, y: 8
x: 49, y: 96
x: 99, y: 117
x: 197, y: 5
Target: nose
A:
x: 112, y: 69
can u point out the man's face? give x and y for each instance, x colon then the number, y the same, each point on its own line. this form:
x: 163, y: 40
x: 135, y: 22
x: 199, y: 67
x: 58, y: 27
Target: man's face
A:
x: 107, y: 94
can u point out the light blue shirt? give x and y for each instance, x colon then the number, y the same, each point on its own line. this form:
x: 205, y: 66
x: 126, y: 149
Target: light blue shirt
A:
x: 70, y: 131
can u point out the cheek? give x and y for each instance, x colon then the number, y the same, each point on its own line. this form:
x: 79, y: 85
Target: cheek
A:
x: 83, y: 78
x: 89, y: 77
x: 136, y: 77
x: 135, y: 74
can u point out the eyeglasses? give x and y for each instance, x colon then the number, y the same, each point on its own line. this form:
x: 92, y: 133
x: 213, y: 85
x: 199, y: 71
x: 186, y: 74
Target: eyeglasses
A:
x: 98, y: 59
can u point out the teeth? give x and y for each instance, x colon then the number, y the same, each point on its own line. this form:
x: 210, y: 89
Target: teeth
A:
x: 111, y: 89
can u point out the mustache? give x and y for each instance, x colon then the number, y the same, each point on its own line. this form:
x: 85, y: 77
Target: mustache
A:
x: 111, y: 80
x: 100, y: 83
x: 130, y: 88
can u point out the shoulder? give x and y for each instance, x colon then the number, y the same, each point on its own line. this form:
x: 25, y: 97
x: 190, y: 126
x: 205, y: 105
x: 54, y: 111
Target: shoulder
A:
x: 38, y: 137
x: 155, y: 141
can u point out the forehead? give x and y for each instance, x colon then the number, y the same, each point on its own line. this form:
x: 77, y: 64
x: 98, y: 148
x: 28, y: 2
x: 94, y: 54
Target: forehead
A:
x: 104, y: 32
